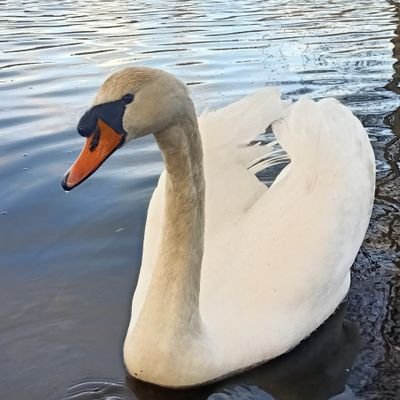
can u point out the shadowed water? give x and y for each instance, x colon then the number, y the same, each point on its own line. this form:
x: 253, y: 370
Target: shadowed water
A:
x: 69, y: 261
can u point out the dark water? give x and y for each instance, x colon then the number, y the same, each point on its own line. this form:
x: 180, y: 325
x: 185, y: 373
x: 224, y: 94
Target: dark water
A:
x: 69, y: 261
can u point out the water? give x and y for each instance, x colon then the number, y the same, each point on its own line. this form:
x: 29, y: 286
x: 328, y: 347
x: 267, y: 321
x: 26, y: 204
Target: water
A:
x: 69, y: 261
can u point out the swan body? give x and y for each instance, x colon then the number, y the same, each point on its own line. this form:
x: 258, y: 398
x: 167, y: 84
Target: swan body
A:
x: 234, y: 273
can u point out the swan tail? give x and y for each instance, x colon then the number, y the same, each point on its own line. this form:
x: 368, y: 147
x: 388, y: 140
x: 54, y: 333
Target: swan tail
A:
x: 322, y: 133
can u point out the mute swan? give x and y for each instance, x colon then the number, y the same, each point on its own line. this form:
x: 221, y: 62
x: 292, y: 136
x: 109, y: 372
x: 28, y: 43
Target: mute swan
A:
x: 233, y: 273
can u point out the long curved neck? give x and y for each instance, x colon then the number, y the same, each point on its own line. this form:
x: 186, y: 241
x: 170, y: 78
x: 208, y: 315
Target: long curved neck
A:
x: 167, y: 338
x: 173, y: 294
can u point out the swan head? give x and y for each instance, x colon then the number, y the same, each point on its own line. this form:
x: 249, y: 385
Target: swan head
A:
x: 131, y: 103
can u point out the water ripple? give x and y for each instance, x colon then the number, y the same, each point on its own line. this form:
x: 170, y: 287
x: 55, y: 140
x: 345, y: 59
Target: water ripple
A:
x: 63, y: 260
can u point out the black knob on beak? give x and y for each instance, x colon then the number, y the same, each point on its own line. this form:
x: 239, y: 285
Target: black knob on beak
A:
x: 82, y: 131
x: 87, y: 124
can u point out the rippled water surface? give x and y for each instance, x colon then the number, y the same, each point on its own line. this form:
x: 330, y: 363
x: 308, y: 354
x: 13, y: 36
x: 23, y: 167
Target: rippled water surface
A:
x: 69, y: 261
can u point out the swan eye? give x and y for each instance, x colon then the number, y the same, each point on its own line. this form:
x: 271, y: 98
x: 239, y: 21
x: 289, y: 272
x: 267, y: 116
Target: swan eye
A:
x: 128, y: 98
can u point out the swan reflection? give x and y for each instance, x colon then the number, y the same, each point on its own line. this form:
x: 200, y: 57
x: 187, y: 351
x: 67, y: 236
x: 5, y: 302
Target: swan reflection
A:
x: 315, y: 370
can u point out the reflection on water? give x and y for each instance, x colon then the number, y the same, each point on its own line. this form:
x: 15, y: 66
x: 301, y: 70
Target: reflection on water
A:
x: 69, y: 262
x: 317, y: 369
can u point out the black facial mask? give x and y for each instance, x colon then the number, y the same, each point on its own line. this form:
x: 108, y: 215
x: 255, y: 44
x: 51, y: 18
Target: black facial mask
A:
x: 111, y: 113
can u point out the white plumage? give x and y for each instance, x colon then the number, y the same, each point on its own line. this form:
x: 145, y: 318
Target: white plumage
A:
x: 276, y: 261
x: 235, y: 273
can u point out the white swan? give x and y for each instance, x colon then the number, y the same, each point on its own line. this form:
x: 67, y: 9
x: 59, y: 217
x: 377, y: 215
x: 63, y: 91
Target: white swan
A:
x: 233, y: 273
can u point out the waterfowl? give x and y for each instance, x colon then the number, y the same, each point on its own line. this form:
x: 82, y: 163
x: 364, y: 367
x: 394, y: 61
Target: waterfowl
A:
x: 233, y: 273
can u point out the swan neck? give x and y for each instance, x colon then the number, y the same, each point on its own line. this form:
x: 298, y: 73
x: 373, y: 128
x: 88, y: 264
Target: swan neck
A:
x: 178, y: 264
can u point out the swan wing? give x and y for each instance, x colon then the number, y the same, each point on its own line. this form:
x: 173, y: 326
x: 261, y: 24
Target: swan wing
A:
x: 232, y: 157
x: 231, y: 130
x: 240, y: 122
x: 274, y: 273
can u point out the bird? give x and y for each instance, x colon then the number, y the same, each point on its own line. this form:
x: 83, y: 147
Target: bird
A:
x: 234, y: 272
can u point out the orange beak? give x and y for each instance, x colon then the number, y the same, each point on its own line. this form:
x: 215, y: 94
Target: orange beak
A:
x: 98, y: 147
